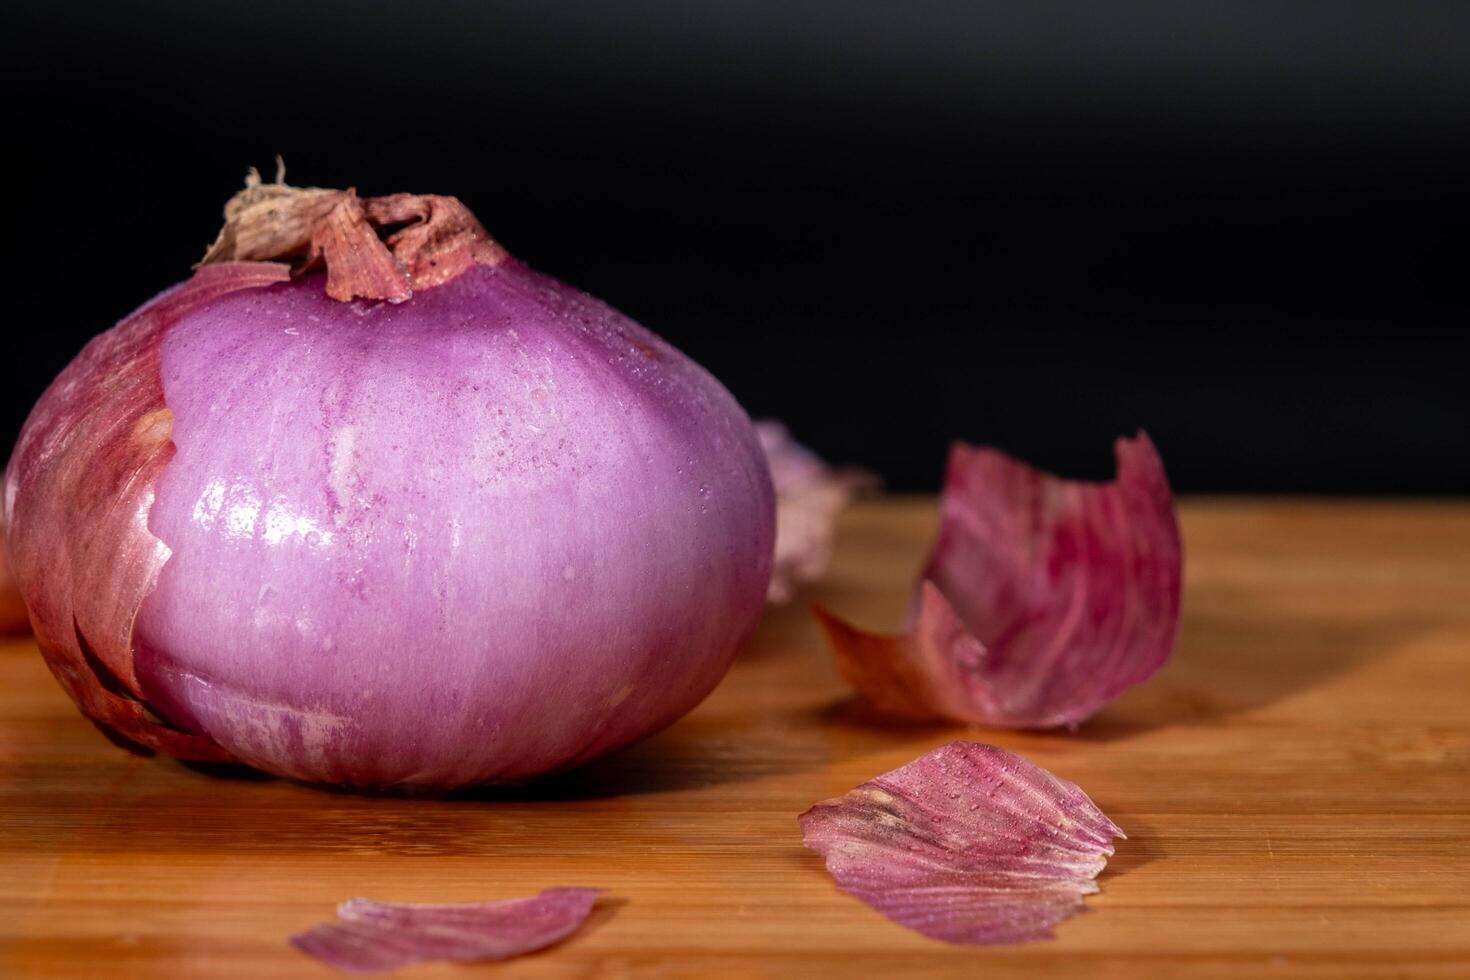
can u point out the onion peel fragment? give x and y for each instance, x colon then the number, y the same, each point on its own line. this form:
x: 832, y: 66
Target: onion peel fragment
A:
x: 78, y: 536
x: 371, y: 936
x: 809, y: 496
x: 967, y: 844
x: 379, y: 248
x: 357, y: 263
x: 1043, y: 600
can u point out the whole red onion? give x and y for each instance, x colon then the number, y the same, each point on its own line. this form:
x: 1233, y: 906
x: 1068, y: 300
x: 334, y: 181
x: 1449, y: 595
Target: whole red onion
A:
x: 484, y: 531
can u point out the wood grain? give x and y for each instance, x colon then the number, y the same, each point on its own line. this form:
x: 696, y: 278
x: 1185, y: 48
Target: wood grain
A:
x: 1295, y: 786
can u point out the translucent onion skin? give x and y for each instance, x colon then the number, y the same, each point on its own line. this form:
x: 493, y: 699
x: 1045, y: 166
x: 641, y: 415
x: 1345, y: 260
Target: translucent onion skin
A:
x: 491, y: 532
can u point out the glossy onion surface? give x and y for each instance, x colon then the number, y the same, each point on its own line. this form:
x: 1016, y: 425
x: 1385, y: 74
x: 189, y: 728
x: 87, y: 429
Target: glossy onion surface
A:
x: 488, y: 533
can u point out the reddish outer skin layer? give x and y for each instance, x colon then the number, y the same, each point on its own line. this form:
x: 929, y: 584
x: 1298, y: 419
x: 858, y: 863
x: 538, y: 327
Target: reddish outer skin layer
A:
x: 967, y: 844
x: 430, y: 238
x: 80, y: 484
x: 440, y: 240
x: 373, y: 936
x: 933, y: 670
x: 1044, y: 598
x: 357, y: 265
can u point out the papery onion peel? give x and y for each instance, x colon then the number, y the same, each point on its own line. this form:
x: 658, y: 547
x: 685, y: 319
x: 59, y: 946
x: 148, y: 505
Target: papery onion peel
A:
x: 1043, y: 599
x: 809, y: 497
x: 968, y: 844
x: 372, y: 936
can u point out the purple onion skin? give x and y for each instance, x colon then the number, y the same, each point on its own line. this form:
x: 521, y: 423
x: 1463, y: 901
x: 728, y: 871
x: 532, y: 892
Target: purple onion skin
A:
x: 489, y: 533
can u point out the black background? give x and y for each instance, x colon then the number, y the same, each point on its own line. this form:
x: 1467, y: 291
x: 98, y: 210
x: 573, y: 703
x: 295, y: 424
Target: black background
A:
x: 1240, y: 226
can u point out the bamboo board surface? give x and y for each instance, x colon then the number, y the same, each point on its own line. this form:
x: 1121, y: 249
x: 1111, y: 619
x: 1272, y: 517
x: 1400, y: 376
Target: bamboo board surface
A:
x: 1295, y: 786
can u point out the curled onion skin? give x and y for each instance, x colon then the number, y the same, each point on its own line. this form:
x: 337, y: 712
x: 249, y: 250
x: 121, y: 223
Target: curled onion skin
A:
x: 1043, y: 600
x: 491, y: 532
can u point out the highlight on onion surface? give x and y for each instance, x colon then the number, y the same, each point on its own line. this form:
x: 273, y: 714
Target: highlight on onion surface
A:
x: 427, y: 518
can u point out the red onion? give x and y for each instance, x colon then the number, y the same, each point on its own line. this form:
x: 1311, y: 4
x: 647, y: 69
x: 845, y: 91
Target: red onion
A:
x: 488, y: 530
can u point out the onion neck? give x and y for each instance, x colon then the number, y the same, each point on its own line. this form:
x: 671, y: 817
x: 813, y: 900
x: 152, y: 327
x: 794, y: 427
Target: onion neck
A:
x: 383, y: 248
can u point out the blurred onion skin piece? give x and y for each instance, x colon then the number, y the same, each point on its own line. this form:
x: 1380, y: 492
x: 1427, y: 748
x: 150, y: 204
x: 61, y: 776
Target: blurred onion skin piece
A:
x: 491, y: 532
x: 1043, y: 600
x: 373, y: 936
x: 809, y: 497
x: 967, y: 844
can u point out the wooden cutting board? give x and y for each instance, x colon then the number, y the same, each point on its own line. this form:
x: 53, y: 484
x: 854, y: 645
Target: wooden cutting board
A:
x: 1295, y: 786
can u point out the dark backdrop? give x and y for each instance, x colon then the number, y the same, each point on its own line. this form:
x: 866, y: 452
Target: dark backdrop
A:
x: 1038, y: 225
